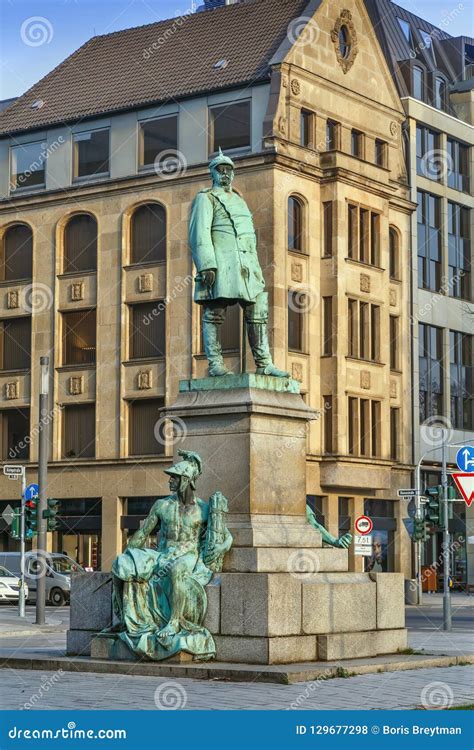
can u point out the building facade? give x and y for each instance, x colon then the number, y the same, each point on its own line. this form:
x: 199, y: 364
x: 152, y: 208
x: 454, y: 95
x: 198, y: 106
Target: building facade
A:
x: 98, y: 173
x: 434, y: 73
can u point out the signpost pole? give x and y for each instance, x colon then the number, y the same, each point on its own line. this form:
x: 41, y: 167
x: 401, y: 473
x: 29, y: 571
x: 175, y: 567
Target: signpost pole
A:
x: 417, y: 544
x: 446, y: 543
x: 21, y: 600
x: 42, y: 482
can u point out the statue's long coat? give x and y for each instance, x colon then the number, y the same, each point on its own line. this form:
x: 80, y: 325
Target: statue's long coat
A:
x: 222, y: 237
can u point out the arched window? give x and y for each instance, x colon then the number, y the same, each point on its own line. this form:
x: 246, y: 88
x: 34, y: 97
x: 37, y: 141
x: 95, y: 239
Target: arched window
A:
x: 80, y: 244
x: 394, y: 254
x: 295, y: 224
x: 148, y: 234
x: 418, y: 83
x: 17, y: 253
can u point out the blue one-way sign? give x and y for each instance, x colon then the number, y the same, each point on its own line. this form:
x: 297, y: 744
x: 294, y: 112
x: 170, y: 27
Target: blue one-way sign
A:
x: 465, y: 458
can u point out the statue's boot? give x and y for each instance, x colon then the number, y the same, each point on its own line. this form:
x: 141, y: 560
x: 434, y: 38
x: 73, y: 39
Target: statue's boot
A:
x: 213, y: 350
x: 258, y: 340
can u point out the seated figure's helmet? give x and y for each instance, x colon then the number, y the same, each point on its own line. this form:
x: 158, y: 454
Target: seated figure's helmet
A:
x: 190, y: 467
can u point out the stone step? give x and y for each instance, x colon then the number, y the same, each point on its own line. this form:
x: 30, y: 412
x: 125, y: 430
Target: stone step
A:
x: 300, y: 562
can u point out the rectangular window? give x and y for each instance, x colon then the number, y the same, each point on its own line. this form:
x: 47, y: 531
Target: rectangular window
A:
x: 431, y: 373
x: 79, y: 431
x: 91, y: 153
x: 328, y: 328
x: 364, y: 406
x: 363, y: 330
x: 429, y: 241
x: 428, y: 163
x: 394, y: 344
x: 458, y: 159
x: 328, y: 424
x: 27, y: 165
x: 439, y: 94
x: 16, y: 343
x: 157, y: 138
x: 418, y: 83
x: 296, y: 321
x: 394, y: 433
x: 380, y: 153
x: 363, y: 238
x: 144, y: 438
x: 332, y: 132
x: 327, y: 228
x: 459, y: 251
x: 357, y: 143
x: 461, y: 380
x: 15, y: 432
x: 364, y: 427
x: 148, y: 330
x: 79, y: 337
x: 353, y: 426
x: 375, y: 428
x: 307, y: 127
x: 230, y: 126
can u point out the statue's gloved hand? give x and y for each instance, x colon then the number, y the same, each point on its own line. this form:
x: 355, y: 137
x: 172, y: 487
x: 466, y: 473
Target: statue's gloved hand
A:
x: 208, y: 277
x: 344, y: 541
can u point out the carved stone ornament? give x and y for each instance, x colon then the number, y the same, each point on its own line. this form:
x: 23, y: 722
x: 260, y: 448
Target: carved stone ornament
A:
x: 393, y: 128
x: 282, y: 125
x: 145, y: 282
x: 297, y: 371
x: 144, y: 380
x: 13, y: 299
x: 393, y: 389
x: 364, y: 282
x: 345, y: 42
x: 12, y: 390
x: 365, y: 379
x: 392, y: 297
x: 295, y: 86
x: 77, y: 291
x: 296, y: 272
x: 76, y: 385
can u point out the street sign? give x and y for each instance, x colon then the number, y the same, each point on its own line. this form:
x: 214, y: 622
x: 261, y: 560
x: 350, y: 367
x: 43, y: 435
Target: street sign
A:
x: 406, y: 493
x: 13, y: 476
x: 409, y: 525
x: 363, y: 525
x: 31, y: 491
x: 8, y: 515
x: 465, y: 459
x: 465, y: 485
x: 13, y: 471
x: 363, y: 544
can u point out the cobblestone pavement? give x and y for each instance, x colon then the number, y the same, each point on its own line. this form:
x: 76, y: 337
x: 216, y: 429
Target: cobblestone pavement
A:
x: 394, y: 690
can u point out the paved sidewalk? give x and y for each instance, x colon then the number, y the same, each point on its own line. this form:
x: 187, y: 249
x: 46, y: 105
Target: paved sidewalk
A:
x: 396, y: 690
x: 57, y: 621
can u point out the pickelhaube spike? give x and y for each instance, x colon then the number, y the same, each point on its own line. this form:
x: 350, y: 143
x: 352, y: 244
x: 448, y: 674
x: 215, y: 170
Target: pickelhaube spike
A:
x: 221, y: 158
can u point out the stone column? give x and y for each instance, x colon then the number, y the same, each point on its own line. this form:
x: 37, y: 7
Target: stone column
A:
x: 111, y: 531
x: 331, y: 514
x: 356, y: 508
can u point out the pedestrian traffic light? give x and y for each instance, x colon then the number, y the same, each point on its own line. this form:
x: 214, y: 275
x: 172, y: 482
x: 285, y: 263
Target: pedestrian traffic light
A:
x: 421, y: 530
x: 31, y: 517
x: 432, y: 507
x: 51, y: 513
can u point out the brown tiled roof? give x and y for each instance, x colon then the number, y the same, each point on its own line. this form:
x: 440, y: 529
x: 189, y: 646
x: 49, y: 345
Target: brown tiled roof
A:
x: 124, y: 70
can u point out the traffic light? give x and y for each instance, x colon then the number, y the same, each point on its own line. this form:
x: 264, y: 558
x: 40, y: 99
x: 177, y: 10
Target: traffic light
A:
x: 51, y: 513
x: 432, y: 507
x: 31, y: 518
x: 421, y: 530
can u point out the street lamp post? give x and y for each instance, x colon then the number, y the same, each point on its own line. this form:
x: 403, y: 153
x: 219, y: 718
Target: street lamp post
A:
x: 42, y: 482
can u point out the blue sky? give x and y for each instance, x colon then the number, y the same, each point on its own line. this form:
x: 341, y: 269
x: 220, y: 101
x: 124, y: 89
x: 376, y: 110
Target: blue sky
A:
x: 63, y: 25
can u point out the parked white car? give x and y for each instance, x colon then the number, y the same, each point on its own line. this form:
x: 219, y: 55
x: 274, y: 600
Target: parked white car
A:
x: 10, y: 586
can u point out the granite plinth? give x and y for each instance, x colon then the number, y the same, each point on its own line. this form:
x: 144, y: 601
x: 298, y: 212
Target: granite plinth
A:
x: 242, y: 380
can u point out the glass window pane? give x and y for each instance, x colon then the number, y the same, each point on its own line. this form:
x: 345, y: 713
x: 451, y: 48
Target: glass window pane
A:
x: 159, y: 139
x: 147, y: 330
x: 417, y: 83
x: 27, y: 165
x: 91, y: 153
x: 230, y: 126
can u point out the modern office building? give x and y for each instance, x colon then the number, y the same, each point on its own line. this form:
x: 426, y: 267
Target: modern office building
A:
x: 99, y: 164
x: 434, y: 73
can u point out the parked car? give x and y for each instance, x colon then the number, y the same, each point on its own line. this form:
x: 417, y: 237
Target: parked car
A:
x: 58, y: 573
x: 10, y: 586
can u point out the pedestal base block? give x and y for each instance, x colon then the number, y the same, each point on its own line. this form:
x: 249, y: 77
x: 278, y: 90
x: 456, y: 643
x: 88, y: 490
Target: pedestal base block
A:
x: 334, y: 646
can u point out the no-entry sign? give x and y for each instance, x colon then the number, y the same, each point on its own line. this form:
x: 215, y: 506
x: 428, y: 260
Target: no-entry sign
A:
x: 363, y: 525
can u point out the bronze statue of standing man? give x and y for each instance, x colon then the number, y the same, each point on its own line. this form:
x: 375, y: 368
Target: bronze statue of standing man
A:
x: 224, y: 249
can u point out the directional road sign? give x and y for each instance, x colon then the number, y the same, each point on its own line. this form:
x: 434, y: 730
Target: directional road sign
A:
x: 465, y: 459
x: 406, y: 493
x: 13, y: 471
x: 31, y: 491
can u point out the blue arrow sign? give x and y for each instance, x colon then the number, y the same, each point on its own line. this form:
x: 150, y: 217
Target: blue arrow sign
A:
x: 465, y: 459
x: 31, y: 491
